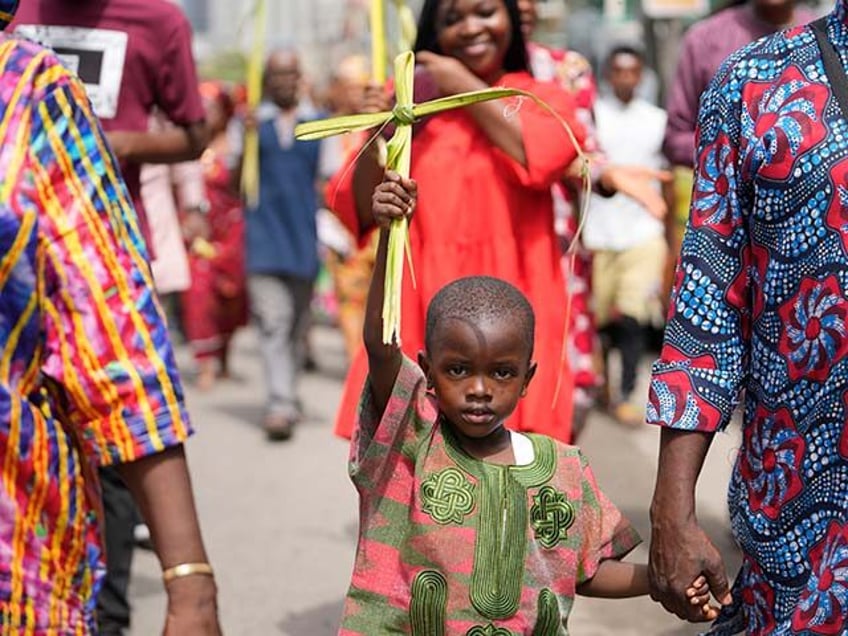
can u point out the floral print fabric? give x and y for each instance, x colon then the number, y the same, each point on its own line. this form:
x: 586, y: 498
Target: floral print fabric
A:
x: 760, y: 305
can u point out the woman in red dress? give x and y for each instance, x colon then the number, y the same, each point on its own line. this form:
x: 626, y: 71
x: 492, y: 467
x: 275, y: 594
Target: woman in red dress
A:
x: 216, y: 303
x: 485, y: 174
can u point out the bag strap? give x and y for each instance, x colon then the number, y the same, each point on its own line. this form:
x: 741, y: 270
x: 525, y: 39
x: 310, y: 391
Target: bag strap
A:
x: 832, y: 64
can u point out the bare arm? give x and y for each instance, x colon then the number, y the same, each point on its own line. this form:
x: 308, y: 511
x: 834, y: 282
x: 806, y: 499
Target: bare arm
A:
x: 394, y: 198
x: 452, y: 77
x: 168, y: 146
x: 680, y: 550
x: 161, y: 486
x: 616, y: 579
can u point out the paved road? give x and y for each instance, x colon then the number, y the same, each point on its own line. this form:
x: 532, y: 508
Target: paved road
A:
x: 280, y: 520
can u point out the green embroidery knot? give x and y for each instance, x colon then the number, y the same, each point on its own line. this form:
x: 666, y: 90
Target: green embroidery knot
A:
x: 488, y: 630
x: 447, y: 496
x: 551, y: 516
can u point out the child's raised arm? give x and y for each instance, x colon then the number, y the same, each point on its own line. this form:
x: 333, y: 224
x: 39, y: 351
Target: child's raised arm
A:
x: 394, y: 198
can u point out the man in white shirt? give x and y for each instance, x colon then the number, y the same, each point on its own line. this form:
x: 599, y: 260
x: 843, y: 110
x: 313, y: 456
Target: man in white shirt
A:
x: 628, y: 242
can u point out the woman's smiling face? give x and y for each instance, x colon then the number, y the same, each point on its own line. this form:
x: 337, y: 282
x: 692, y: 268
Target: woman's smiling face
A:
x: 476, y: 32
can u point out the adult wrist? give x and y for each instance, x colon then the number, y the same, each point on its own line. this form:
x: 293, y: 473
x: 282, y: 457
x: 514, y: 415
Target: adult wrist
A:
x: 183, y: 570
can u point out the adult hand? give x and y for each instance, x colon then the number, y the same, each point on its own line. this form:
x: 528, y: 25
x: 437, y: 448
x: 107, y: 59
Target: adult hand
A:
x: 192, y: 607
x: 251, y: 119
x: 195, y: 225
x: 449, y: 74
x: 376, y: 99
x: 680, y: 553
x: 639, y: 183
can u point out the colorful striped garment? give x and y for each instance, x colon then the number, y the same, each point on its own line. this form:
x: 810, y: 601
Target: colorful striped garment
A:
x: 453, y: 546
x: 87, y: 374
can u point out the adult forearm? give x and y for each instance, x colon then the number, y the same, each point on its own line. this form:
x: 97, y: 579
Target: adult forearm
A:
x: 161, y: 486
x: 367, y: 175
x: 682, y: 455
x: 168, y: 146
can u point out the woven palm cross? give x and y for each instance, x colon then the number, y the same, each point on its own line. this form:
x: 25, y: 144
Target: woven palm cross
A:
x: 399, y: 156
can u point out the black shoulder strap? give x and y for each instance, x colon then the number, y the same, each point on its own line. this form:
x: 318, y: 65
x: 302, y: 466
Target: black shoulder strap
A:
x: 832, y: 64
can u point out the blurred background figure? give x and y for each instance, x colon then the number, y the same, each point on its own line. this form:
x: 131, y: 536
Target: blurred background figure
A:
x: 281, y: 237
x: 215, y: 305
x: 166, y: 191
x: 702, y: 50
x: 350, y: 262
x: 627, y: 241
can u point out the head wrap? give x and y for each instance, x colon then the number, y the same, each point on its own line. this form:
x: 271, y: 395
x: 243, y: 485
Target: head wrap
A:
x: 7, y: 12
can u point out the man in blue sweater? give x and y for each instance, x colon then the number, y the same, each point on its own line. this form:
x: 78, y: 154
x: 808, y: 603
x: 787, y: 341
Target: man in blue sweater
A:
x: 282, y: 253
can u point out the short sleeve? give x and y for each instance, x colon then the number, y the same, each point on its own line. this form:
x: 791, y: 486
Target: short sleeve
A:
x: 176, y: 90
x: 703, y: 364
x: 106, y: 342
x: 548, y: 148
x: 607, y: 534
x: 378, y: 442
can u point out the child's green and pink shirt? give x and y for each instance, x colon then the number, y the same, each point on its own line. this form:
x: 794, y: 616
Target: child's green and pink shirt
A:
x: 450, y: 544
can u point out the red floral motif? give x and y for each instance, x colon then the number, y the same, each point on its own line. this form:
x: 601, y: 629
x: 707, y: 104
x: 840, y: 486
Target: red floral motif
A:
x: 757, y: 600
x: 823, y: 606
x: 673, y: 399
x: 781, y: 120
x: 771, y: 465
x: 837, y: 211
x: 714, y: 202
x: 814, y: 330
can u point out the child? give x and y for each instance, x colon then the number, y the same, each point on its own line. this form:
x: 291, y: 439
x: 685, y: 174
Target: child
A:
x: 467, y: 528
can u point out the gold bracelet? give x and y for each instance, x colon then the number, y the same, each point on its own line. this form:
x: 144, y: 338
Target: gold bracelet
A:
x: 187, y: 569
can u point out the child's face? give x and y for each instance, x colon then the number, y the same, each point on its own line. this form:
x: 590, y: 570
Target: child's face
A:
x: 478, y: 373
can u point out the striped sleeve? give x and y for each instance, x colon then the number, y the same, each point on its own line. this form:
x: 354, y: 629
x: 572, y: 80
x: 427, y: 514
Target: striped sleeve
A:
x: 107, y: 344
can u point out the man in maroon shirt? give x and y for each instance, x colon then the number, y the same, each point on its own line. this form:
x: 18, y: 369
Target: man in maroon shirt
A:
x: 134, y: 57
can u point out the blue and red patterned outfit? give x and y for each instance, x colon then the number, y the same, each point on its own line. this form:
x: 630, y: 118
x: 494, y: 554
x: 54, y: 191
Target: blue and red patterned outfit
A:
x: 760, y: 305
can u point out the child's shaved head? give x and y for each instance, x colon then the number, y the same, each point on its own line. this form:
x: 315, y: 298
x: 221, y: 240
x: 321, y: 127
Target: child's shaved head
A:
x: 481, y: 298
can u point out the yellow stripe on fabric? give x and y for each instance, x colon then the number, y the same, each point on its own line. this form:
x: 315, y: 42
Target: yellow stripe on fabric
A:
x: 24, y: 84
x: 94, y: 223
x: 11, y: 344
x: 124, y: 224
x: 60, y: 578
x: 41, y: 468
x: 12, y: 257
x: 76, y: 253
x: 10, y: 472
x: 120, y: 436
x: 75, y: 390
x: 47, y: 195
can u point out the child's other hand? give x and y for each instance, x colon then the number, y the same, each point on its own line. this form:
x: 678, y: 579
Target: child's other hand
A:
x: 393, y: 199
x: 699, y: 595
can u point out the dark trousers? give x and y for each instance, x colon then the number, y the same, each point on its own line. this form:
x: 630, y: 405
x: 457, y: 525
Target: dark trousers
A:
x: 626, y: 335
x: 113, y: 607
